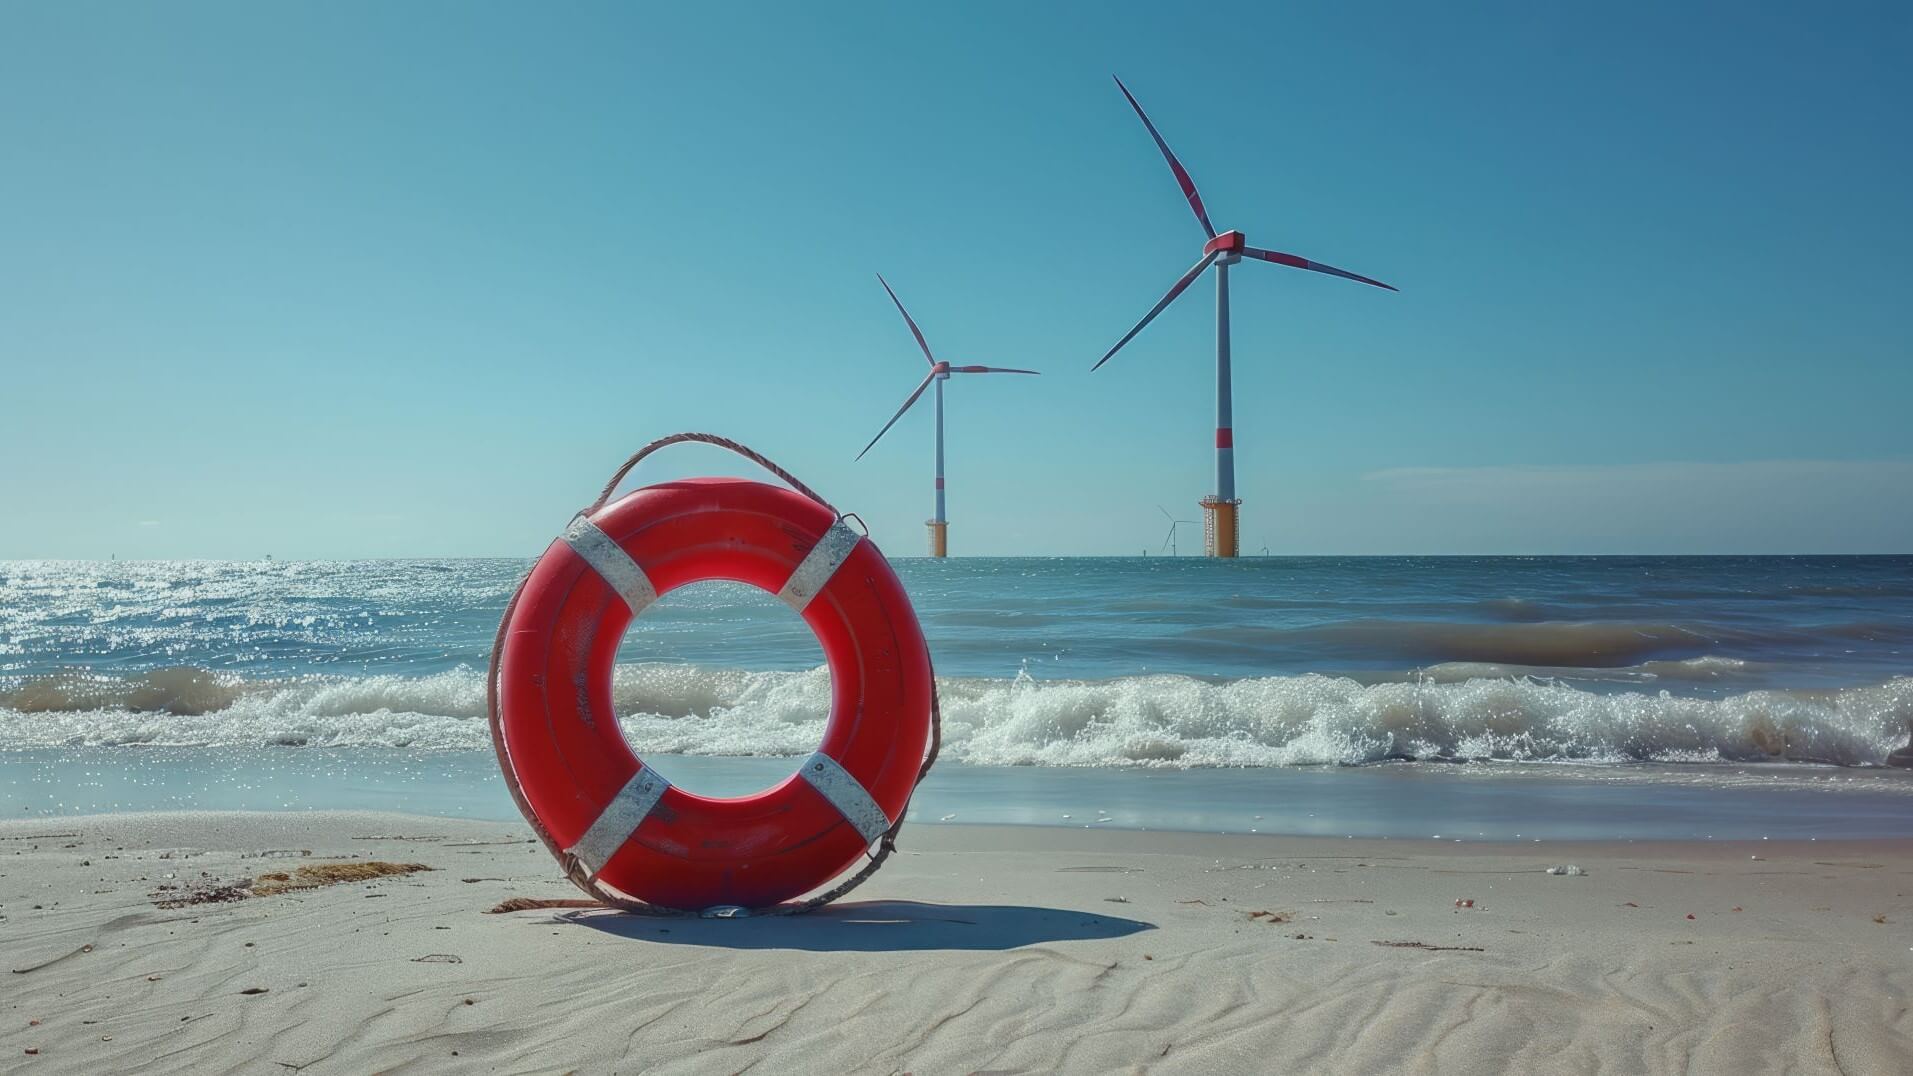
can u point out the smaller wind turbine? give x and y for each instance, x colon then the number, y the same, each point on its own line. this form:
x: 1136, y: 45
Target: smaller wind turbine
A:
x: 939, y: 373
x: 1169, y: 543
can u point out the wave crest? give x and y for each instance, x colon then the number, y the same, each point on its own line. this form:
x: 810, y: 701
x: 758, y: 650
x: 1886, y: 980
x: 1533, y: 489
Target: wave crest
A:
x: 1164, y: 720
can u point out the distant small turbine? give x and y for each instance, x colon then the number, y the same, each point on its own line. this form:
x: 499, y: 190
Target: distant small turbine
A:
x: 1169, y: 543
x: 939, y: 373
x: 1221, y: 530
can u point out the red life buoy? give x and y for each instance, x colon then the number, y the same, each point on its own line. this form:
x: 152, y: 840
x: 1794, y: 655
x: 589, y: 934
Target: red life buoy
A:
x: 613, y: 821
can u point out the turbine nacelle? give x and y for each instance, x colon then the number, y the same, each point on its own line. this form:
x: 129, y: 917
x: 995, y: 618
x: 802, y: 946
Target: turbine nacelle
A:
x: 1228, y: 244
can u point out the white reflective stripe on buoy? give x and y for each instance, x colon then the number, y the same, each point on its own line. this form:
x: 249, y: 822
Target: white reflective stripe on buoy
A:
x: 612, y: 563
x: 819, y: 565
x: 847, y: 794
x: 619, y: 820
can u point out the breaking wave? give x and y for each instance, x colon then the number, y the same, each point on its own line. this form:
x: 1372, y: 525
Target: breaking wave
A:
x: 1164, y: 720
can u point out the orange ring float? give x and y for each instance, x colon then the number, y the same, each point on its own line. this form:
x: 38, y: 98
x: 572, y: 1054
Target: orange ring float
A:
x: 614, y: 822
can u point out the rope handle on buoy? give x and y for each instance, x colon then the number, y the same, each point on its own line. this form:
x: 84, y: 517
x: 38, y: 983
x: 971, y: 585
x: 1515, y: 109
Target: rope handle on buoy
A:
x: 576, y: 871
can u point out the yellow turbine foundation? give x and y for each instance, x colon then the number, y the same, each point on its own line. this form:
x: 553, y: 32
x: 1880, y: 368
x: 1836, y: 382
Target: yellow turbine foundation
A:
x: 939, y: 538
x: 1221, y: 532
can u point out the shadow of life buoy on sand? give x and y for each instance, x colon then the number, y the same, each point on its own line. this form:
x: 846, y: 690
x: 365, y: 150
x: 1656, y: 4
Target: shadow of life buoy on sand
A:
x: 872, y: 926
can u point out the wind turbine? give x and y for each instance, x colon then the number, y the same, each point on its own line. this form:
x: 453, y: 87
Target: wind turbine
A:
x: 1221, y: 528
x: 1169, y: 543
x: 939, y: 373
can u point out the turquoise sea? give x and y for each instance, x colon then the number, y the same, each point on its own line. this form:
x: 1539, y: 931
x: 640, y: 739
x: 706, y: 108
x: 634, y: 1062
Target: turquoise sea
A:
x: 1553, y: 697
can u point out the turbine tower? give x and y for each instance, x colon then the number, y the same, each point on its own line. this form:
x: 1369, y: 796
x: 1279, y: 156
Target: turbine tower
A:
x: 1221, y: 528
x: 939, y: 373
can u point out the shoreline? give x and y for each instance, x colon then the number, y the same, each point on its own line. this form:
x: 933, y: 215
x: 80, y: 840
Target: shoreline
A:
x: 977, y: 947
x: 1401, y: 801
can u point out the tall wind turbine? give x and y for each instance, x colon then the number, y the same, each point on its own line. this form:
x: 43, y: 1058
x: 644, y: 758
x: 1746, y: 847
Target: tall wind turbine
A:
x: 1220, y: 525
x: 939, y: 373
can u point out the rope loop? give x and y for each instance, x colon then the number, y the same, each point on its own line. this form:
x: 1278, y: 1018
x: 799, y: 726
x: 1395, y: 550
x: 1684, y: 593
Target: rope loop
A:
x: 576, y: 871
x: 743, y: 450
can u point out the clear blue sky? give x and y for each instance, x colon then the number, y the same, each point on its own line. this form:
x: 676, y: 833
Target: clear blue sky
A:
x: 375, y: 279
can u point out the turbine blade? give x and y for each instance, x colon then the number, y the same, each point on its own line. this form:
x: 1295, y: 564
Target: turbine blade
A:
x: 990, y: 370
x: 927, y: 378
x: 1182, y: 174
x: 910, y: 321
x: 1294, y: 262
x: 1167, y: 516
x: 1180, y: 286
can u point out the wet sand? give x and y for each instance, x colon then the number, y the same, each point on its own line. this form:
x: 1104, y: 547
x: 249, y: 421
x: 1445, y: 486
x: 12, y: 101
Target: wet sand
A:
x: 977, y: 949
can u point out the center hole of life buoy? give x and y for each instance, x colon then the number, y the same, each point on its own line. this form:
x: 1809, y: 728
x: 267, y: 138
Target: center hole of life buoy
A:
x: 722, y: 688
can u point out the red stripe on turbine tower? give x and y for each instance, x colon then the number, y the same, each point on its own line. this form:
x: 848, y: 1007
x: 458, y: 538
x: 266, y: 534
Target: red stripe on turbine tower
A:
x: 1225, y: 437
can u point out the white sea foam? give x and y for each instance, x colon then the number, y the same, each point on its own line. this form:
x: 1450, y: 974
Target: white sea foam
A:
x: 1173, y: 721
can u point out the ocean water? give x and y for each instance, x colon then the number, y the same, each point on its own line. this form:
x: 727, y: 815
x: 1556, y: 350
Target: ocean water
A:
x: 1264, y: 681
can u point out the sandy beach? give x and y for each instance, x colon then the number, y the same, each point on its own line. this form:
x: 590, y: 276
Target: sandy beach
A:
x: 1011, y: 949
